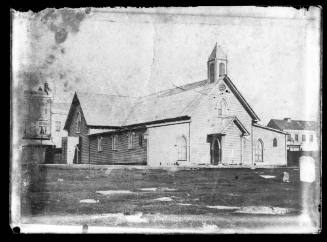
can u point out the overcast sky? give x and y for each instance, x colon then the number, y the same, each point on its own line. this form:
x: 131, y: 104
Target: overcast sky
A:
x: 273, y: 54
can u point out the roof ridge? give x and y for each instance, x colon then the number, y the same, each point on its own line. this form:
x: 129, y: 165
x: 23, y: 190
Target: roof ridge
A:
x: 177, y: 87
x: 112, y: 95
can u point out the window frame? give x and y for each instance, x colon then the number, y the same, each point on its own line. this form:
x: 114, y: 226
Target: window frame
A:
x: 141, y: 140
x: 311, y: 137
x: 221, y: 73
x: 114, y: 142
x: 58, y: 129
x: 304, y: 138
x: 100, y: 145
x: 257, y: 153
x: 222, y: 108
x: 296, y: 137
x: 131, y: 138
x: 275, y: 142
x: 212, y: 72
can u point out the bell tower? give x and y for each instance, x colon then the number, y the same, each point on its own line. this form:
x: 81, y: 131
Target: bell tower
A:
x: 217, y: 64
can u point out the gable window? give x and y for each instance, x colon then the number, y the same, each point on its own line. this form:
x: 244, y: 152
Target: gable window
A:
x: 181, y: 148
x: 303, y: 137
x: 259, y: 151
x: 78, y: 122
x: 221, y: 69
x: 114, y: 142
x: 311, y: 138
x: 141, y: 140
x: 58, y: 126
x: 222, y: 108
x: 100, y: 148
x: 131, y: 140
x: 212, y: 72
x: 275, y: 142
x: 296, y: 137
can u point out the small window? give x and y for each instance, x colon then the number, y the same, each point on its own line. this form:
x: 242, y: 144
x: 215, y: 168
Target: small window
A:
x: 100, y: 148
x: 141, y: 140
x: 221, y: 69
x: 78, y: 122
x: 131, y: 140
x: 296, y: 137
x: 114, y: 142
x: 275, y: 142
x: 259, y: 151
x: 311, y: 138
x: 58, y: 126
x: 212, y: 72
x: 289, y: 137
x: 303, y: 137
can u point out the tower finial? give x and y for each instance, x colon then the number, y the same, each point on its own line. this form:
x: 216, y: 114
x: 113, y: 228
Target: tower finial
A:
x: 217, y: 61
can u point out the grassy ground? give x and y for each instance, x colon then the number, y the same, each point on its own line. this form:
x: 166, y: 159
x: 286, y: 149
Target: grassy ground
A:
x: 45, y: 194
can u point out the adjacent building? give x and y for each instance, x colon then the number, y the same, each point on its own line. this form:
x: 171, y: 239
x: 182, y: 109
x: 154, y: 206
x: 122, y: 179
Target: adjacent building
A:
x: 207, y: 122
x: 303, y: 135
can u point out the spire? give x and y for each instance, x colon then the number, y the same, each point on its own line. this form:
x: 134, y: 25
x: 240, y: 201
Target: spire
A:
x: 217, y: 53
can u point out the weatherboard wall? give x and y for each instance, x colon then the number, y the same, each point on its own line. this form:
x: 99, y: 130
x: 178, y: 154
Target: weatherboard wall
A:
x: 271, y: 155
x: 122, y: 155
x: 205, y: 118
x: 84, y: 130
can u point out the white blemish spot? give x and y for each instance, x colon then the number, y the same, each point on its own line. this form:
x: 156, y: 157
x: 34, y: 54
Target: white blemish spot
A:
x: 113, y: 192
x: 209, y: 227
x: 167, y: 189
x: 223, y: 207
x: 267, y: 176
x: 184, y: 204
x: 149, y: 189
x: 89, y: 201
x: 164, y: 199
x: 263, y: 210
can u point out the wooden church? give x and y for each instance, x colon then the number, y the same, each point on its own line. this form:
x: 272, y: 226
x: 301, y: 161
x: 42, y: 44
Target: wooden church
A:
x: 202, y: 123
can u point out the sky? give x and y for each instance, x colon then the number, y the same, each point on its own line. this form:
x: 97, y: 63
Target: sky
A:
x: 273, y: 53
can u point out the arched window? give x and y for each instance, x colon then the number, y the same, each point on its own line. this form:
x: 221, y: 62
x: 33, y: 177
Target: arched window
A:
x: 222, y: 69
x: 222, y: 108
x: 78, y: 122
x: 212, y: 72
x: 181, y: 148
x: 274, y: 142
x: 259, y: 151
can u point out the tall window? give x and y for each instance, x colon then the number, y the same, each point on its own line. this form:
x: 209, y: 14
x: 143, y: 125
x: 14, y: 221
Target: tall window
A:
x: 58, y: 126
x: 131, y: 140
x: 296, y: 137
x: 181, y: 148
x: 289, y: 137
x: 114, y: 142
x: 222, y: 108
x: 78, y: 122
x: 259, y: 151
x: 274, y: 142
x: 212, y: 72
x: 100, y: 148
x: 303, y: 137
x: 221, y: 69
x: 141, y: 140
x: 311, y: 138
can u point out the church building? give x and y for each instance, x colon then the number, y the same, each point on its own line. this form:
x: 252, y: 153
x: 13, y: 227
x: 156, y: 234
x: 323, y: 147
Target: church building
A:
x: 202, y: 123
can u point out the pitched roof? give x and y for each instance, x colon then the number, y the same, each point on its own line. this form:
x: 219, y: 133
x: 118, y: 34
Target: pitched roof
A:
x: 284, y: 124
x: 223, y: 124
x: 116, y: 111
x: 217, y: 53
x: 269, y: 128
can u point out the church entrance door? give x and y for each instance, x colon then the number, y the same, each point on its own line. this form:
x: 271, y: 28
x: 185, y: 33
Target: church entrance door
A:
x: 216, y: 151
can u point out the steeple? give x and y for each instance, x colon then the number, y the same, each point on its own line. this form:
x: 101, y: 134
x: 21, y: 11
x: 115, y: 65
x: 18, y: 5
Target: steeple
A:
x: 216, y: 60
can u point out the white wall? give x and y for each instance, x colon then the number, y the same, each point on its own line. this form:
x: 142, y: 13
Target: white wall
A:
x: 271, y: 155
x: 162, y: 149
x: 57, y: 135
x: 306, y: 145
x: 205, y: 117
